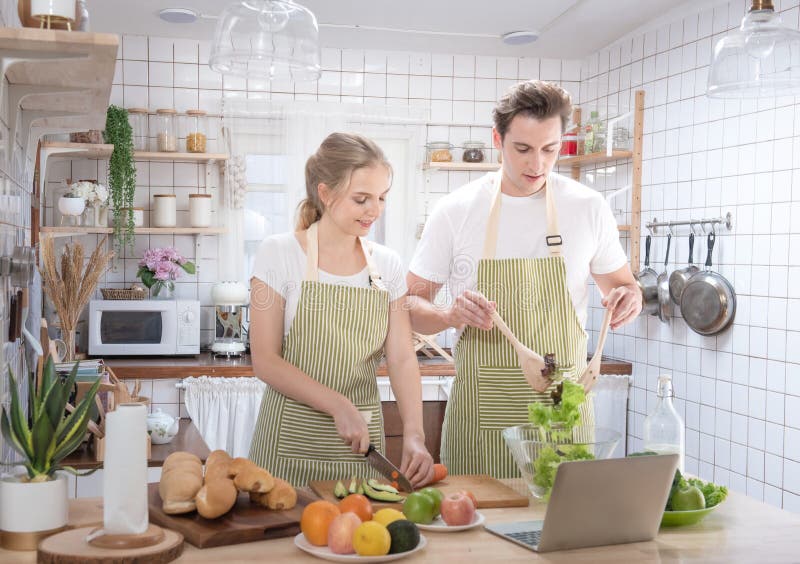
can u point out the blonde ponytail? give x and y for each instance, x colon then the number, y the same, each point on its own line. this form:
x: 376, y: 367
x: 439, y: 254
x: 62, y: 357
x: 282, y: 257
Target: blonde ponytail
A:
x: 307, y: 213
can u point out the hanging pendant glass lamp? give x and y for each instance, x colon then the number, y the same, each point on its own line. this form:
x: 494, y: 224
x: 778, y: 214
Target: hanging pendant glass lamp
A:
x: 761, y: 58
x: 267, y: 39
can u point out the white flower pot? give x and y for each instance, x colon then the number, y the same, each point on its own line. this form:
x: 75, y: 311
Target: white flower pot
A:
x: 59, y: 8
x: 71, y: 206
x: 31, y: 511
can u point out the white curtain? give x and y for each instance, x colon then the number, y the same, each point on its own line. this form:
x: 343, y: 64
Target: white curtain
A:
x: 611, y: 406
x: 224, y: 410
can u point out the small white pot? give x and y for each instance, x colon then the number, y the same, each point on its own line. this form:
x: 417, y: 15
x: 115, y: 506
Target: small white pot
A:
x: 28, y: 508
x: 60, y: 8
x: 71, y: 206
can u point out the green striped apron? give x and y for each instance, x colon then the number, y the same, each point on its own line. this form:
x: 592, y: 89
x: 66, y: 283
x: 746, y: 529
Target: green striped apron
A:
x: 490, y: 392
x: 337, y: 338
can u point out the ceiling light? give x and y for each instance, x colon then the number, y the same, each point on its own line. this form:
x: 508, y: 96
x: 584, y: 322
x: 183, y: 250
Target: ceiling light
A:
x: 267, y: 39
x: 178, y: 15
x: 761, y: 58
x: 520, y: 37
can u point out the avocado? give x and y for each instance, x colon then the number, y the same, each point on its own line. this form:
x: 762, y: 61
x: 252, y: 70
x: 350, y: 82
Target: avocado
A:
x: 404, y: 535
x: 375, y: 485
x: 340, y: 491
x: 360, y: 489
x: 353, y: 485
x: 378, y: 495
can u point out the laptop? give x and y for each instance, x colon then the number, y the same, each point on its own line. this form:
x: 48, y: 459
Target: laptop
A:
x: 597, y: 503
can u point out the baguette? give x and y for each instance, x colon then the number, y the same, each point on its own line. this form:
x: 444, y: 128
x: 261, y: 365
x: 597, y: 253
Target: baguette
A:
x: 180, y: 456
x: 178, y: 488
x: 281, y: 496
x: 237, y: 465
x: 254, y: 479
x: 217, y: 465
x: 216, y: 498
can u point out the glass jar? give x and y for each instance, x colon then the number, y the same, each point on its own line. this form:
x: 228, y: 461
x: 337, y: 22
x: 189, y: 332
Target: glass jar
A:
x: 165, y: 210
x: 439, y: 152
x: 138, y: 118
x: 569, y: 144
x: 138, y: 216
x: 196, y: 128
x: 473, y: 152
x: 166, y: 130
x: 200, y: 210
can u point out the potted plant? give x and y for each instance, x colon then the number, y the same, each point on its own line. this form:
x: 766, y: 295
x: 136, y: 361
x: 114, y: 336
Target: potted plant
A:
x: 35, y: 503
x: 121, y: 176
x: 96, y: 197
x: 160, y: 267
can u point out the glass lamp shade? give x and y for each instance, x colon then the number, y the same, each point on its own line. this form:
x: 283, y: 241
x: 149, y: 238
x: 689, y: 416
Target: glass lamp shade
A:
x: 267, y: 39
x: 760, y: 59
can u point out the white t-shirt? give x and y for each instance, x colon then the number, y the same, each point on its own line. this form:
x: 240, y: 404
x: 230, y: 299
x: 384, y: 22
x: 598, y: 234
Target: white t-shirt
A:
x: 281, y: 264
x: 453, y: 238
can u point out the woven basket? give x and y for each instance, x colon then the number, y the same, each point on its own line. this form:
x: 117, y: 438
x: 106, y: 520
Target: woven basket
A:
x: 121, y: 294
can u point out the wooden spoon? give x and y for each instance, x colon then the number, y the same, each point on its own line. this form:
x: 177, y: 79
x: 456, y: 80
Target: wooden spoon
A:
x: 532, y: 363
x: 592, y: 370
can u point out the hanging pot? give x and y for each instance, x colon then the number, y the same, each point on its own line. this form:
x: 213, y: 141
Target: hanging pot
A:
x: 664, y: 301
x: 679, y: 277
x: 647, y: 280
x: 708, y: 302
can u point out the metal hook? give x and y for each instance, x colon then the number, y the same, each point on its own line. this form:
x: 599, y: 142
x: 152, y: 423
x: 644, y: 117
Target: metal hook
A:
x: 713, y: 227
x: 691, y: 227
x: 669, y: 229
x: 703, y: 227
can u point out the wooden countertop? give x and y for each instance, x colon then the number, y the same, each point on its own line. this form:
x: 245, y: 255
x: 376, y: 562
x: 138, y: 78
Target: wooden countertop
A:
x: 740, y: 530
x: 129, y: 368
x: 188, y: 439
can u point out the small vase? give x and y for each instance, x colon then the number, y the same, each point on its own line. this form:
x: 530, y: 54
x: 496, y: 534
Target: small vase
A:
x: 98, y: 216
x: 163, y: 290
x: 71, y: 209
x: 69, y: 341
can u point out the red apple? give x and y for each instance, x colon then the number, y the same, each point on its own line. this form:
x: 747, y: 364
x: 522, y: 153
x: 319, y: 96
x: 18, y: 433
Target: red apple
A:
x: 457, y: 509
x: 470, y: 495
x: 340, y: 533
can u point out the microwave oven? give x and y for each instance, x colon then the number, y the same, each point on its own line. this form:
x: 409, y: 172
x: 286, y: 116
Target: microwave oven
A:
x: 144, y: 327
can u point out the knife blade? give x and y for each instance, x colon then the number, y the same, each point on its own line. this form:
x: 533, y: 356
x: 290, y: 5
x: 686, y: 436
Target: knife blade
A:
x: 387, y: 469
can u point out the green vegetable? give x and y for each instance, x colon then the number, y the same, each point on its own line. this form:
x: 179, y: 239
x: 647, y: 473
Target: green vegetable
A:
x: 713, y: 494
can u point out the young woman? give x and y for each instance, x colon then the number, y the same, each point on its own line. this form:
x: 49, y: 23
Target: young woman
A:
x: 325, y: 306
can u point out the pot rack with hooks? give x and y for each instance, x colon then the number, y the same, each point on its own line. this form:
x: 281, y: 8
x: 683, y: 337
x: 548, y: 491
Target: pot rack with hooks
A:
x: 711, y: 222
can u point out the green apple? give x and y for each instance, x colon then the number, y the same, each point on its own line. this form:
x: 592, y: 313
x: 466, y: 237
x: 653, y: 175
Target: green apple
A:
x: 688, y: 499
x: 436, y: 496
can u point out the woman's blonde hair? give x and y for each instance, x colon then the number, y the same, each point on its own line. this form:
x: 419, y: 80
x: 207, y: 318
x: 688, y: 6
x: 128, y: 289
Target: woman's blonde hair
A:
x: 339, y: 155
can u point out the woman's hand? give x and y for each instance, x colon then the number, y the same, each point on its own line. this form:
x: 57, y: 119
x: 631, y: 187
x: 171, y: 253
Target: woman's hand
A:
x: 417, y: 464
x: 352, y: 427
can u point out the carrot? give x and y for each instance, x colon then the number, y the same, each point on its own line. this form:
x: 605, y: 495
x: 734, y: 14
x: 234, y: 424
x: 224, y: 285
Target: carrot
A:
x: 395, y: 474
x: 439, y: 473
x: 395, y: 485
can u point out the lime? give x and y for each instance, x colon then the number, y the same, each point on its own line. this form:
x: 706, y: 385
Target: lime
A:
x: 418, y: 508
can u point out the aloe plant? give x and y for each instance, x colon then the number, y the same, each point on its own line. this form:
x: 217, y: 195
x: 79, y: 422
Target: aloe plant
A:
x: 50, y: 434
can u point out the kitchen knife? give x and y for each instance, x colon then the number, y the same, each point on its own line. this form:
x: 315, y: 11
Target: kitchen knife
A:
x: 387, y: 469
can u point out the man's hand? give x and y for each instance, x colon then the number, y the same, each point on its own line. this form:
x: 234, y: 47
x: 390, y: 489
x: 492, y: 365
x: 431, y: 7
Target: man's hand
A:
x: 471, y: 308
x: 625, y: 304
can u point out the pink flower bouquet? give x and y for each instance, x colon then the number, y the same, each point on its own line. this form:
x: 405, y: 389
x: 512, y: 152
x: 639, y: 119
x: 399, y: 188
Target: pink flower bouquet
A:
x: 160, y: 267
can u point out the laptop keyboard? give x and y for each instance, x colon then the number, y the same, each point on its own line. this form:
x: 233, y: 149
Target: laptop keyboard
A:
x: 531, y: 538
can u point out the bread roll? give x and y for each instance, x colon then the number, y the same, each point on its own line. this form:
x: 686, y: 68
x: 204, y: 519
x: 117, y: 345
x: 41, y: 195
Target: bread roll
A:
x: 217, y: 465
x: 237, y: 465
x: 216, y: 498
x: 281, y: 496
x: 254, y: 479
x: 178, y: 457
x: 178, y: 489
x: 183, y: 466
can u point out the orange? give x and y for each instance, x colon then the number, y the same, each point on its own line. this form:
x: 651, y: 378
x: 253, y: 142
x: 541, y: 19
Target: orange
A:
x: 358, y: 504
x: 316, y: 520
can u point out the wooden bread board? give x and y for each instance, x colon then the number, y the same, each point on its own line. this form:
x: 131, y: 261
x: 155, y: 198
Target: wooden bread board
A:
x: 488, y: 491
x: 246, y: 522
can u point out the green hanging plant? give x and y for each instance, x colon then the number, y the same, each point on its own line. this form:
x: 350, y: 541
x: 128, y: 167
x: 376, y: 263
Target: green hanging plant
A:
x: 121, y: 176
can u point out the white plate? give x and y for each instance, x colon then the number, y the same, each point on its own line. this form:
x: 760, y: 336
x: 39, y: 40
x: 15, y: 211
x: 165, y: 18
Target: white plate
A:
x: 440, y: 526
x: 325, y: 553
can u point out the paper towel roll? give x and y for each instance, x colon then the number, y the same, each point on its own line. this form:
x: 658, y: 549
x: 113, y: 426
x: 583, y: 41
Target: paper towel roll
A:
x: 125, y: 471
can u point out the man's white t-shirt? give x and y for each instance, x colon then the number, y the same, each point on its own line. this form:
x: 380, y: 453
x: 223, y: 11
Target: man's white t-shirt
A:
x: 281, y: 264
x: 453, y: 238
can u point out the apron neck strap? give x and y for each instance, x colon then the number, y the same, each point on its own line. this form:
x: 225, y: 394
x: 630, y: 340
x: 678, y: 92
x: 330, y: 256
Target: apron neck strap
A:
x: 312, y: 258
x: 553, y: 239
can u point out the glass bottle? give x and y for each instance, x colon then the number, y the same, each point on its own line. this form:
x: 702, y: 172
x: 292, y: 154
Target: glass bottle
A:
x: 663, y: 428
x: 598, y: 133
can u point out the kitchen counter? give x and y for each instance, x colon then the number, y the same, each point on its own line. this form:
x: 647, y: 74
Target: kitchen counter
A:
x: 740, y: 530
x: 152, y: 368
x: 188, y: 439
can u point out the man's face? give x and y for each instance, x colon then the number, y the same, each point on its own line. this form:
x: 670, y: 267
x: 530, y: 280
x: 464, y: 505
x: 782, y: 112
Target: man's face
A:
x: 530, y: 150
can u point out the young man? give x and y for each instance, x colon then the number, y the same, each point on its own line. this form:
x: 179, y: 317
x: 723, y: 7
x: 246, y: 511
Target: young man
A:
x: 523, y: 241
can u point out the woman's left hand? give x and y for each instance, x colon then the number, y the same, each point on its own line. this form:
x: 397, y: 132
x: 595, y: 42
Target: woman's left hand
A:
x: 417, y: 463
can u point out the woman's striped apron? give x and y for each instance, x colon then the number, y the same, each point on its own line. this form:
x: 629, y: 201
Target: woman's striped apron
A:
x: 337, y: 338
x: 490, y: 392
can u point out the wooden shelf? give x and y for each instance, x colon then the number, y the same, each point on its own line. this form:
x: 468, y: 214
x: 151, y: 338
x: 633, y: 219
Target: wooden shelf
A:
x: 594, y: 158
x: 66, y: 231
x: 179, y: 157
x: 92, y: 151
x: 461, y: 166
x: 624, y: 227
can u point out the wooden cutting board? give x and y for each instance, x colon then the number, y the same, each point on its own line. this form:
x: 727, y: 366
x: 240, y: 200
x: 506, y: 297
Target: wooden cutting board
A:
x: 246, y: 522
x: 488, y: 491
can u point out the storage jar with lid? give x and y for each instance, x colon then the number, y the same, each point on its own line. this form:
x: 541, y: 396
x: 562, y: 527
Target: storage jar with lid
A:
x: 166, y: 130
x: 569, y: 143
x: 165, y: 210
x: 473, y: 152
x: 196, y: 128
x: 138, y: 216
x: 138, y: 118
x: 200, y: 210
x: 439, y: 152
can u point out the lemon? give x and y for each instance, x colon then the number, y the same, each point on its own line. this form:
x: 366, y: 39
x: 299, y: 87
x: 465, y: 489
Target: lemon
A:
x: 372, y: 539
x: 387, y: 515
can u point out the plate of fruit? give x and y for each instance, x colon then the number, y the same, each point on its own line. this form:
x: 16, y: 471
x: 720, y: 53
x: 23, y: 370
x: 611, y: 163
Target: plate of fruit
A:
x: 691, y: 500
x: 350, y: 532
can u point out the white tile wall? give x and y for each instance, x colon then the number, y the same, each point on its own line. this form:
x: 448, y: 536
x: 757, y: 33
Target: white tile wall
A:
x: 739, y: 392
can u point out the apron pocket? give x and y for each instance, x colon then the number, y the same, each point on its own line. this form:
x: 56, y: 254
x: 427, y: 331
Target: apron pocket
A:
x: 503, y: 397
x: 310, y: 434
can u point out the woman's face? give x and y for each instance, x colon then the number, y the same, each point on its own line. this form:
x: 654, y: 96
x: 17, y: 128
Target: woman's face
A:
x: 362, y: 203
